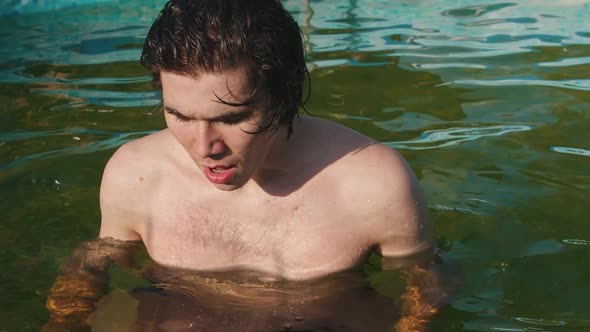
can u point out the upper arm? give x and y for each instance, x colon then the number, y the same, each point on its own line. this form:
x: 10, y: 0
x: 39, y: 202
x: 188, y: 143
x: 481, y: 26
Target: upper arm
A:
x: 121, y: 196
x: 396, y: 210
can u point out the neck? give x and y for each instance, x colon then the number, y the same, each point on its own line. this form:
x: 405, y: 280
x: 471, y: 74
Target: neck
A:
x: 278, y: 163
x: 279, y: 153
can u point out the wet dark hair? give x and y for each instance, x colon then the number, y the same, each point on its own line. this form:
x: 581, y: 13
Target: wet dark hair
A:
x: 191, y: 37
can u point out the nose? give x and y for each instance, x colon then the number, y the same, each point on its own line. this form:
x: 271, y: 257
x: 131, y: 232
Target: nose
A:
x: 208, y: 141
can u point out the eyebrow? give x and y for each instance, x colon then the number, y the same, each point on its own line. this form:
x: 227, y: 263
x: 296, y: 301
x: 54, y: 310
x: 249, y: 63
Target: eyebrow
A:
x: 231, y: 116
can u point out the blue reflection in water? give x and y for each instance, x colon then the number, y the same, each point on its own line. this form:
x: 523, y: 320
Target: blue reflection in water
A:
x: 113, y: 140
x: 570, y: 150
x: 433, y: 139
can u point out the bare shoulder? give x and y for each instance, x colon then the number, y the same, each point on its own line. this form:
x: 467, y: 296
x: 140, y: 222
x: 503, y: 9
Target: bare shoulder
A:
x: 397, y: 208
x: 128, y: 179
x: 383, y: 193
x: 132, y: 158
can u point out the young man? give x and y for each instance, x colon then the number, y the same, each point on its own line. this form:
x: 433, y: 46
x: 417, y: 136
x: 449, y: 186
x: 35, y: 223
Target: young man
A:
x: 238, y: 180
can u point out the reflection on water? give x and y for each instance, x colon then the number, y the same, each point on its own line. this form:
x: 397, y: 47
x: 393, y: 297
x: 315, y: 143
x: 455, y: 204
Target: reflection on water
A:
x: 246, y: 301
x: 156, y: 297
x: 445, y: 137
x: 571, y: 84
x: 115, y: 140
x: 91, y: 65
x: 569, y: 150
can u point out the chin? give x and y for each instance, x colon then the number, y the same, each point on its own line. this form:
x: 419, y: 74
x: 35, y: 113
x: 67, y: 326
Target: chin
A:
x: 234, y: 184
x: 227, y: 187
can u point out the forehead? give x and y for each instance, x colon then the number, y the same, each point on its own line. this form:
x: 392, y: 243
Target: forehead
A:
x: 187, y: 93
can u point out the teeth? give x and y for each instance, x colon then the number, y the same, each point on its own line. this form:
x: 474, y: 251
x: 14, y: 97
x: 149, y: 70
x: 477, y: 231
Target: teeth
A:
x: 217, y: 170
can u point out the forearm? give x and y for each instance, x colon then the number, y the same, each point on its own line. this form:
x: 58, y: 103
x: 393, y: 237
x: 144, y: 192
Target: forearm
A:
x: 418, y: 307
x: 82, y: 282
x: 72, y: 298
x: 429, y: 286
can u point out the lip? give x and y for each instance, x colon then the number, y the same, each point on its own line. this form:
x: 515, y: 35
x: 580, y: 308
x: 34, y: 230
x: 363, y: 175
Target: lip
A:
x: 223, y: 177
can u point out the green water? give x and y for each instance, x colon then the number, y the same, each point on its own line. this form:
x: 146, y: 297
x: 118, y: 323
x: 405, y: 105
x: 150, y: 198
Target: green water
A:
x: 490, y: 104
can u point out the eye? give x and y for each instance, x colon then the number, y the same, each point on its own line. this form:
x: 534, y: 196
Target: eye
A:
x: 235, y: 119
x: 231, y: 122
x: 181, y: 118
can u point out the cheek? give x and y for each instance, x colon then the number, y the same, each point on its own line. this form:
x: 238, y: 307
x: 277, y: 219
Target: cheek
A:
x: 238, y: 141
x: 258, y: 147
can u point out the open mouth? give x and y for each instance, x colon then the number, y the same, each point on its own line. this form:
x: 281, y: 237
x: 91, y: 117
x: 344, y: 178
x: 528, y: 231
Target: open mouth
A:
x: 220, y: 174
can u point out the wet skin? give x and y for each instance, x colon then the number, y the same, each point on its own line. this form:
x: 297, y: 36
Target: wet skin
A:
x: 240, y: 301
x: 207, y: 194
x: 236, y: 299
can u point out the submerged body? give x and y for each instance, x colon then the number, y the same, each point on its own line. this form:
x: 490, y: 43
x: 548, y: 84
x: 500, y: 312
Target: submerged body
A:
x: 241, y: 301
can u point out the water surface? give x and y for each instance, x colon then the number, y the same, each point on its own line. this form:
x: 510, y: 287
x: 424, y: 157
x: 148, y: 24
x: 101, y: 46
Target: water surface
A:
x: 488, y: 101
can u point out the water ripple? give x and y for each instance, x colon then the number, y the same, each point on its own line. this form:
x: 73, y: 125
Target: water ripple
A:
x: 433, y: 139
x: 542, y: 247
x: 518, y: 20
x: 572, y: 323
x: 475, y: 53
x: 18, y: 75
x: 569, y: 150
x: 581, y: 84
x: 448, y: 65
x: 107, y: 98
x: 24, y: 135
x: 540, y: 321
x: 114, y: 140
x: 476, y: 11
x: 576, y: 242
x: 432, y: 35
x: 566, y: 62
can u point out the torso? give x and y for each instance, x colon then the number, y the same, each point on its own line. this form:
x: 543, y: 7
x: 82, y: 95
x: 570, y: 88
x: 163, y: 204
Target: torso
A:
x: 290, y: 237
x: 306, y: 233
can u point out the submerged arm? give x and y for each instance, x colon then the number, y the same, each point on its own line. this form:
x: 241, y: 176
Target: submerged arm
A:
x: 430, y: 283
x: 83, y: 281
x: 84, y: 278
x: 404, y: 236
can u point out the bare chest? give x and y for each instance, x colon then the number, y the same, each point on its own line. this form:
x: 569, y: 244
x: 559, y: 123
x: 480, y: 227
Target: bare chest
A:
x: 290, y: 238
